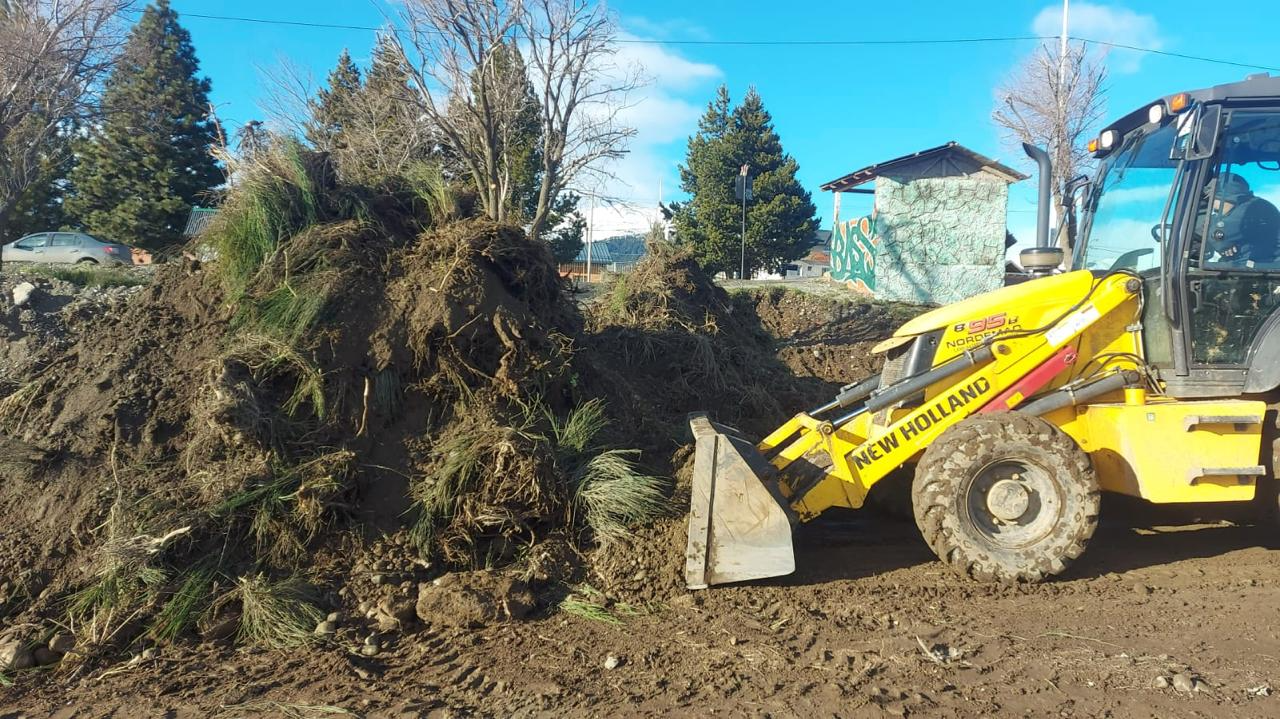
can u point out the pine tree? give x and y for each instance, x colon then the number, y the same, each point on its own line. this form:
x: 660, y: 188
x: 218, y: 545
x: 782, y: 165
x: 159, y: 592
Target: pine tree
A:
x: 331, y: 110
x: 141, y: 170
x: 382, y: 136
x: 780, y: 217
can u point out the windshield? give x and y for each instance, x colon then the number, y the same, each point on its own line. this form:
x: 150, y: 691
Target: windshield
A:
x: 1127, y: 201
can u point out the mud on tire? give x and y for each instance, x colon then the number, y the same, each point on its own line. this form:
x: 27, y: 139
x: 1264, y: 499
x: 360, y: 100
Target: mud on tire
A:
x: 1006, y: 497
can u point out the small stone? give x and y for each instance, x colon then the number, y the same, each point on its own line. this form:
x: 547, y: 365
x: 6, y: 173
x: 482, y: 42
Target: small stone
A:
x: 373, y: 640
x: 364, y: 607
x: 370, y: 650
x: 62, y: 643
x: 612, y: 661
x: 733, y: 641
x: 363, y: 673
x: 150, y: 653
x: 1142, y: 589
x: 334, y: 617
x: 22, y: 293
x: 1262, y: 690
x: 1162, y: 682
x: 1184, y: 683
x: 44, y: 656
x: 378, y: 579
x: 326, y: 628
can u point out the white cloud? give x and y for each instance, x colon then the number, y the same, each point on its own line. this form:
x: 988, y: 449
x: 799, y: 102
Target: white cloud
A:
x: 663, y: 112
x: 1105, y: 23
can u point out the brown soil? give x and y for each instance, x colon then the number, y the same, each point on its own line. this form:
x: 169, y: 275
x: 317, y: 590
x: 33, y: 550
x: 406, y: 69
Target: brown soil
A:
x: 870, y: 625
x: 824, y: 338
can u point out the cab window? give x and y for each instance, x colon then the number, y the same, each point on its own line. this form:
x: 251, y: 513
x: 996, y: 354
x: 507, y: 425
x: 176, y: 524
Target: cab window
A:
x: 65, y: 240
x: 1127, y: 204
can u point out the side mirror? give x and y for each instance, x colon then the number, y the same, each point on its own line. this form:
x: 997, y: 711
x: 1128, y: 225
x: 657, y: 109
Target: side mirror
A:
x: 1204, y: 135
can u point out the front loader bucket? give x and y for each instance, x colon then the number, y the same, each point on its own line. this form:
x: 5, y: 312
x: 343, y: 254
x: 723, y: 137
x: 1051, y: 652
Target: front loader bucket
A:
x: 738, y: 527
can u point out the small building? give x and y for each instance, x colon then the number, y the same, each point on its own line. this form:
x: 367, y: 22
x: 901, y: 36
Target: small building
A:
x: 614, y: 255
x: 936, y: 233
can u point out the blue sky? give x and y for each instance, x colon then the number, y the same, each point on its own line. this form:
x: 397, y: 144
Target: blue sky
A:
x: 837, y: 108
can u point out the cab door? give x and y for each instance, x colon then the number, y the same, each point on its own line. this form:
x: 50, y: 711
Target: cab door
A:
x: 1232, y: 269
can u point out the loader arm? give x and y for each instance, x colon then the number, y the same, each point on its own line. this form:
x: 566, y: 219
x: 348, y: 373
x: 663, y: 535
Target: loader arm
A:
x: 817, y: 463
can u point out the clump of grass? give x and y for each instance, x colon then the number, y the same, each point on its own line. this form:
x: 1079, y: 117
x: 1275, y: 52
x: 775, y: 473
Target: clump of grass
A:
x: 462, y: 459
x: 290, y: 310
x: 590, y: 603
x: 274, y: 198
x: 276, y: 614
x: 284, y: 513
x: 184, y: 607
x: 89, y: 275
x: 128, y: 576
x: 428, y: 183
x: 608, y: 490
x: 270, y: 359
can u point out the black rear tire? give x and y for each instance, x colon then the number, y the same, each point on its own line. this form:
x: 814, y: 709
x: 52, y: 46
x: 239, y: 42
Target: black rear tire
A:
x: 86, y: 261
x: 1006, y: 497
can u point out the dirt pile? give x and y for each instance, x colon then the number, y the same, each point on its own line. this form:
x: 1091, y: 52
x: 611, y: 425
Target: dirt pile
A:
x: 53, y: 313
x: 291, y: 443
x: 824, y: 338
x: 249, y: 419
x: 665, y: 341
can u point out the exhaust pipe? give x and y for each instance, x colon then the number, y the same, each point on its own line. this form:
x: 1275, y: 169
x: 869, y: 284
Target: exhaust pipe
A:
x: 1046, y: 192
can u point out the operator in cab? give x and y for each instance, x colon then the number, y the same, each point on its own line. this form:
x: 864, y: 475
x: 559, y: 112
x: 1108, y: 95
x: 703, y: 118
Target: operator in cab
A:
x: 1243, y: 228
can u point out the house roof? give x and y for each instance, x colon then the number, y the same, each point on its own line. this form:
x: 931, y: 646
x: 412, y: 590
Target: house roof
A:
x: 623, y: 249
x: 941, y: 153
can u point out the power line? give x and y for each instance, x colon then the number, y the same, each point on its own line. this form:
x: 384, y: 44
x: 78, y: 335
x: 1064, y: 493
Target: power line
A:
x: 1176, y: 54
x: 782, y: 43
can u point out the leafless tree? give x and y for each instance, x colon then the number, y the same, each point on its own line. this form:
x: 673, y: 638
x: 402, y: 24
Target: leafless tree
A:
x: 53, y: 57
x: 1055, y: 106
x: 453, y: 50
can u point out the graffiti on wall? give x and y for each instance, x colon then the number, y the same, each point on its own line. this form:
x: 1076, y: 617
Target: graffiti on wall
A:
x: 853, y: 258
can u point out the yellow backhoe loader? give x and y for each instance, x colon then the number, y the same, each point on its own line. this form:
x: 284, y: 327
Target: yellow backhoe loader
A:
x: 1150, y: 368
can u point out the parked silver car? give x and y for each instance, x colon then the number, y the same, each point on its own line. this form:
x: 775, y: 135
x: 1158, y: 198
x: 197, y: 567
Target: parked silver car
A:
x: 68, y: 247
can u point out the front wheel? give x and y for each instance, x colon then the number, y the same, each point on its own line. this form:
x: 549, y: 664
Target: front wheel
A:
x: 1006, y: 497
x: 86, y: 261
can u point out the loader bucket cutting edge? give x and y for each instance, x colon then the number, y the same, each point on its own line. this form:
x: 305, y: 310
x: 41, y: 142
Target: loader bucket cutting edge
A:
x: 739, y: 528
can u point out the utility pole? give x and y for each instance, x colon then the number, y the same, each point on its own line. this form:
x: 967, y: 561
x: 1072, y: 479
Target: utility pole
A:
x: 591, y: 231
x: 743, y: 189
x: 1061, y: 125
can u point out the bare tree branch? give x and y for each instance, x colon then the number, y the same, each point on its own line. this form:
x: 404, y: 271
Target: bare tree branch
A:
x: 54, y: 55
x: 452, y: 47
x: 1055, y: 107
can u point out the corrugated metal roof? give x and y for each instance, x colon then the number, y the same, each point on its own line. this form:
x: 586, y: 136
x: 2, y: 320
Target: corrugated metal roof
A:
x: 871, y: 172
x: 199, y: 220
x: 622, y: 250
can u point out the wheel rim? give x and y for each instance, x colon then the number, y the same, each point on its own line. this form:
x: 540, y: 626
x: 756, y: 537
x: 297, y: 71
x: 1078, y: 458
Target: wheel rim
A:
x: 1012, y: 504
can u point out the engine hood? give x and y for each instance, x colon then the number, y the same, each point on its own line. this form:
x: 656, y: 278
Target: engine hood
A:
x: 1026, y: 298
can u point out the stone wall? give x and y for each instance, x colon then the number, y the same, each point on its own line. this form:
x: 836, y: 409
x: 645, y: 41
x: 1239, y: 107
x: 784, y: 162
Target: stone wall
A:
x: 940, y: 239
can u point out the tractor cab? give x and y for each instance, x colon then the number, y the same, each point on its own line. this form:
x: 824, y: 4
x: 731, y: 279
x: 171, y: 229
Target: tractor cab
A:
x: 1185, y: 195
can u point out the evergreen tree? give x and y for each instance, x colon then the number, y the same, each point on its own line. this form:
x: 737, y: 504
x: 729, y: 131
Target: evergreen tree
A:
x: 331, y: 110
x: 780, y: 217
x: 41, y: 207
x: 139, y: 173
x: 382, y: 136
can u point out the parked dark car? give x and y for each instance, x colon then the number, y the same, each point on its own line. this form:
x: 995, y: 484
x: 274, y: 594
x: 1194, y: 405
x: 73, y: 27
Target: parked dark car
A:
x: 66, y: 247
